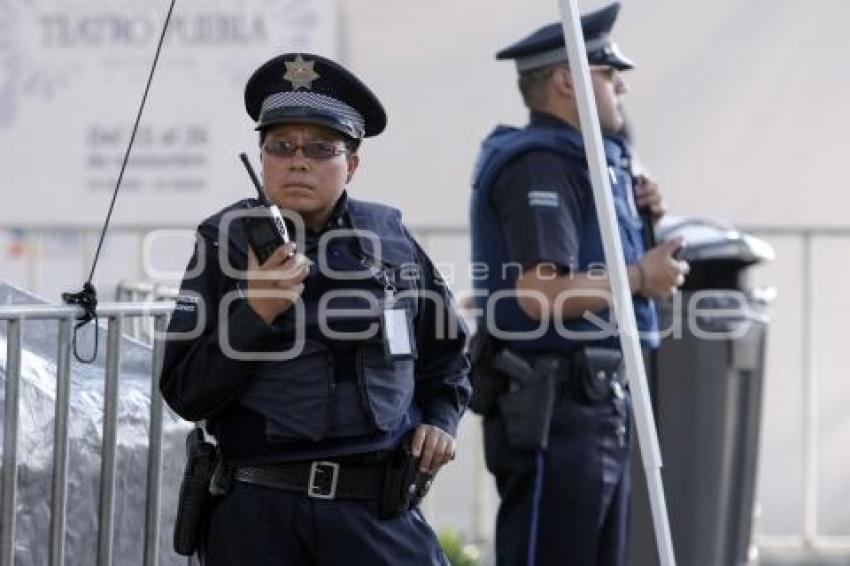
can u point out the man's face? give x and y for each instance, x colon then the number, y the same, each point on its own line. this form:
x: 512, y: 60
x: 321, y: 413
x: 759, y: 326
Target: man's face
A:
x: 609, y: 88
x: 307, y: 186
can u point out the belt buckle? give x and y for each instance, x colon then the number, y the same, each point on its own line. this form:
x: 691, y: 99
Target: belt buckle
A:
x: 323, y: 480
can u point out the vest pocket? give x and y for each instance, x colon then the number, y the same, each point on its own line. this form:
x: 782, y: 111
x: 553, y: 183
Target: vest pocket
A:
x: 348, y: 414
x: 293, y: 395
x: 388, y: 385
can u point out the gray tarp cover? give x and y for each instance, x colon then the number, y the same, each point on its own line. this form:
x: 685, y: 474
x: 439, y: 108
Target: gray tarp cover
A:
x: 35, y: 446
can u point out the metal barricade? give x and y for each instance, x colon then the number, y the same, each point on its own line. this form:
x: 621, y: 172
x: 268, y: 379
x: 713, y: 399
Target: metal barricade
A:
x: 16, y: 317
x: 142, y: 328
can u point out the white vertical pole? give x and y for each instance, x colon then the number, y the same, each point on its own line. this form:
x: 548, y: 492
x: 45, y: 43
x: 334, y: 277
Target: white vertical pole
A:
x: 623, y: 307
x: 810, y: 400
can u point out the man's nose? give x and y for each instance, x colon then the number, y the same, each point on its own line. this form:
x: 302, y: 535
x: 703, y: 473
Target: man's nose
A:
x: 299, y: 161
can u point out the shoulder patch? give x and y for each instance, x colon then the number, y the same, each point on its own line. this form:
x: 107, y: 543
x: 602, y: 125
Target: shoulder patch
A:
x: 545, y: 199
x: 187, y: 301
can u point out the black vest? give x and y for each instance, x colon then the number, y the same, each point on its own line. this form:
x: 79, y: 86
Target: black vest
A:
x: 301, y: 398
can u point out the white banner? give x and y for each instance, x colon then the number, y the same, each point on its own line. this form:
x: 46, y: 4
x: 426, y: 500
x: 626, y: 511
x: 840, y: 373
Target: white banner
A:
x: 72, y: 74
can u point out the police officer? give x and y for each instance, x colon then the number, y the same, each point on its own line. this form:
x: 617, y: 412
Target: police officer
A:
x: 321, y: 370
x: 545, y: 297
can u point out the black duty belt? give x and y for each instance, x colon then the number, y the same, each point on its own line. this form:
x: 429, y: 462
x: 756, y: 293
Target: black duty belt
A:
x: 606, y: 363
x: 318, y: 479
x: 593, y: 373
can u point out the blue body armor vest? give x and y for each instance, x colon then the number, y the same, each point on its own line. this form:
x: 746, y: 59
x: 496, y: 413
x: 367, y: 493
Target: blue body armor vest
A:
x: 301, y: 398
x: 489, y: 243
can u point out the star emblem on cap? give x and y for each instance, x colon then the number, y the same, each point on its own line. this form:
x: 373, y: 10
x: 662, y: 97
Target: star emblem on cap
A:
x: 300, y: 73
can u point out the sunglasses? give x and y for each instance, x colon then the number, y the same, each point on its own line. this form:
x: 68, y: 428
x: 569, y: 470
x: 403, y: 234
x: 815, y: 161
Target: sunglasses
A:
x: 319, y: 150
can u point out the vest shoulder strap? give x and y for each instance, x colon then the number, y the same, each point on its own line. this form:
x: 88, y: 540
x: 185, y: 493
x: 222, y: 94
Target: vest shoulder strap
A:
x: 505, y: 144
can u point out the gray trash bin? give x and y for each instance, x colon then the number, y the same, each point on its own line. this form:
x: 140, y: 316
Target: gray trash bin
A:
x: 708, y: 399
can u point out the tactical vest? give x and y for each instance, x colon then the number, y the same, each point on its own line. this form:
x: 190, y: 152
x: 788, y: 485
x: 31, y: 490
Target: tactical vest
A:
x: 301, y: 398
x: 489, y: 247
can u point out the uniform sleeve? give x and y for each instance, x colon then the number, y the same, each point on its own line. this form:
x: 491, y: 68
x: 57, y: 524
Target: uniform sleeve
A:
x: 539, y: 203
x: 198, y: 378
x: 442, y: 366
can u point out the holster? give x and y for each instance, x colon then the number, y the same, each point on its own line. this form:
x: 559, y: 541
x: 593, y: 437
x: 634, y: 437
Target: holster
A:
x: 595, y: 369
x: 487, y: 383
x: 404, y: 485
x: 195, y: 498
x: 527, y: 408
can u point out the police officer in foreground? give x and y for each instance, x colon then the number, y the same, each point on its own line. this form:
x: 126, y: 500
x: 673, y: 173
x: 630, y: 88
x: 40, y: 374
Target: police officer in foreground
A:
x: 548, y: 369
x: 331, y: 373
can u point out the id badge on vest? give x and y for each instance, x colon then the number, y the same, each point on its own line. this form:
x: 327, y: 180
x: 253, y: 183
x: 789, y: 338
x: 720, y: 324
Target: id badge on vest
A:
x: 396, y: 328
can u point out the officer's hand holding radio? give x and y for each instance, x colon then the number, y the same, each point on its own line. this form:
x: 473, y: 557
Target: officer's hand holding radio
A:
x: 649, y: 197
x: 660, y: 274
x: 276, y: 284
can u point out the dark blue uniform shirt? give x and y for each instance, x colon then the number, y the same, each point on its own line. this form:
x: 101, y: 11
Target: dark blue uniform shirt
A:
x: 319, y: 405
x: 532, y: 203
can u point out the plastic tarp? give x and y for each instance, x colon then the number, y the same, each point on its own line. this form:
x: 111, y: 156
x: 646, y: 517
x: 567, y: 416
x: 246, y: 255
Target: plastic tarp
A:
x: 35, y: 446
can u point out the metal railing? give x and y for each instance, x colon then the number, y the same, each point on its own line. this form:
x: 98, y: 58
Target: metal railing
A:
x: 115, y: 314
x: 143, y: 328
x: 810, y: 539
x: 810, y: 542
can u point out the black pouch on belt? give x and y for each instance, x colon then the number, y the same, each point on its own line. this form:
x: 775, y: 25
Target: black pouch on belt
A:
x: 194, y: 500
x: 404, y: 485
x: 527, y: 408
x: 595, y: 370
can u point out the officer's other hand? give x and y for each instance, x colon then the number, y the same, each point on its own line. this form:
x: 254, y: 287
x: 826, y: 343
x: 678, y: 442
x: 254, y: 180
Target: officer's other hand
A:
x: 663, y: 273
x: 282, y: 273
x: 649, y: 197
x: 433, y: 446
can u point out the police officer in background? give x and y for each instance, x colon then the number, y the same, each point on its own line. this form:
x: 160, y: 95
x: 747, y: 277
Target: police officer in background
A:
x: 313, y: 446
x: 556, y: 432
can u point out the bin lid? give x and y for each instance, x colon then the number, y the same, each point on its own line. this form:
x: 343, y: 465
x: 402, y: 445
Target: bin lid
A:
x: 709, y: 239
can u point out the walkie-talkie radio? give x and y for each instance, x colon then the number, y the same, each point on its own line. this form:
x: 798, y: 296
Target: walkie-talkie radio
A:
x: 265, y: 227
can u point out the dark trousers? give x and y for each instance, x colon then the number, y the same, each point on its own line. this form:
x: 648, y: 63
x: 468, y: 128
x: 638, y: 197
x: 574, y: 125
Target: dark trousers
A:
x: 259, y: 526
x: 568, y: 506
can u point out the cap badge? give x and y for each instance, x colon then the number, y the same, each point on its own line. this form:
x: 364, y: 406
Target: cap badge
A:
x: 300, y: 73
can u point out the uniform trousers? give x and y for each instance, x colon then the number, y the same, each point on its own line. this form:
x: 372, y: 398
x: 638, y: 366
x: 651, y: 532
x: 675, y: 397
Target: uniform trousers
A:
x: 260, y: 526
x: 569, y: 505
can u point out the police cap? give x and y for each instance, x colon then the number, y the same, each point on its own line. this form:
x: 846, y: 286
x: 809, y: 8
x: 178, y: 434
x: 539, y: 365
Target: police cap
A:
x: 307, y: 88
x: 546, y: 46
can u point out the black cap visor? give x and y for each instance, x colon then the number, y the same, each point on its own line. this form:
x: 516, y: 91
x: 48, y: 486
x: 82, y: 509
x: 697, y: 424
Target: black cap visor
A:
x: 610, y: 56
x: 305, y: 115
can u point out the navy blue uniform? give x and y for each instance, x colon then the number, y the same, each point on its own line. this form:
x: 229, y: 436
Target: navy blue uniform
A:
x: 532, y: 203
x: 340, y: 398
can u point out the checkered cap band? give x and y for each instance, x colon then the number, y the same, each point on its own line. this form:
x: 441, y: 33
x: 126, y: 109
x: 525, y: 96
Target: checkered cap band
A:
x: 315, y: 101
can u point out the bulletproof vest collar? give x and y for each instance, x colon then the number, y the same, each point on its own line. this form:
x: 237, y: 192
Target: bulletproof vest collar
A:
x: 378, y: 231
x: 210, y: 229
x: 506, y: 143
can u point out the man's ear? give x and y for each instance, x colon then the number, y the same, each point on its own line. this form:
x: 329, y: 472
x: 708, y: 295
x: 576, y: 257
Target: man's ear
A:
x: 562, y: 82
x: 353, y: 161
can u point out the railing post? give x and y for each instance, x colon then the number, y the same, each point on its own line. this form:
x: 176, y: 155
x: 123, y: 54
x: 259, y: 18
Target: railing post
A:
x: 154, y: 480
x: 60, y: 445
x: 110, y: 442
x: 10, y: 440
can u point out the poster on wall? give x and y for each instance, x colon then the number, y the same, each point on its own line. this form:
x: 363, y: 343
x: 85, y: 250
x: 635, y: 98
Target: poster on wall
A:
x: 72, y: 74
